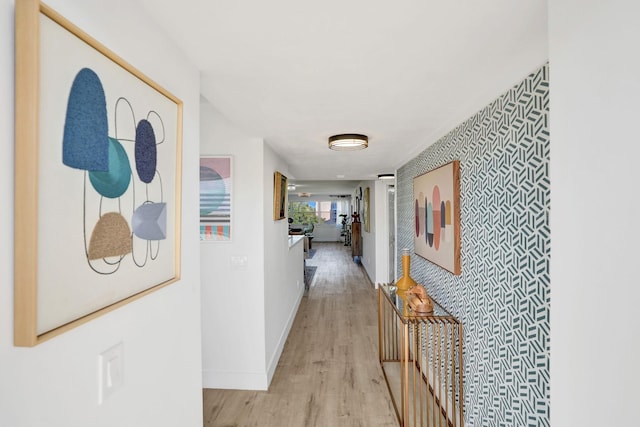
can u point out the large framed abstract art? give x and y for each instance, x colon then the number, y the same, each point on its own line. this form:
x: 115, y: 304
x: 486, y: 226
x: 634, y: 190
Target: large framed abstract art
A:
x: 215, y: 199
x: 98, y: 178
x: 436, y: 197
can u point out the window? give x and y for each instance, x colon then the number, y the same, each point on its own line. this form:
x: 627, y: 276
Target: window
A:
x: 317, y: 212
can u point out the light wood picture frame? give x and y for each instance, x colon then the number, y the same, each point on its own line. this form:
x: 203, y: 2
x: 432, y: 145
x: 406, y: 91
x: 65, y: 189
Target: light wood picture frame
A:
x: 216, y: 202
x: 436, y: 197
x: 279, y: 196
x: 98, y: 155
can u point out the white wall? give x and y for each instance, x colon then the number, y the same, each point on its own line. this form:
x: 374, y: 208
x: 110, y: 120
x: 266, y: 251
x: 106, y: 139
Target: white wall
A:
x: 375, y: 243
x: 282, y: 291
x: 594, y: 110
x: 247, y: 311
x: 56, y: 382
x: 233, y: 345
x: 369, y: 238
x: 326, y: 233
x: 381, y: 213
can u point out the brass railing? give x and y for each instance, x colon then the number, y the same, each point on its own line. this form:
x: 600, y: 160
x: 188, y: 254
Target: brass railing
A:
x: 421, y: 358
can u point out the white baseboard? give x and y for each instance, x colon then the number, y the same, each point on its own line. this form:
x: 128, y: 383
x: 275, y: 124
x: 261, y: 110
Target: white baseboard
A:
x: 275, y: 357
x: 235, y: 380
x: 252, y: 380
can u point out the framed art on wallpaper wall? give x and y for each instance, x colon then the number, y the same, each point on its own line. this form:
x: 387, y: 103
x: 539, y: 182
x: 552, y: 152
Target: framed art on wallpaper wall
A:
x: 436, y: 197
x: 98, y: 152
x: 279, y: 196
x: 215, y: 199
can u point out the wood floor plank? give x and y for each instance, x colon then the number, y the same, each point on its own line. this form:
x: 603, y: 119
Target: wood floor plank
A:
x: 328, y: 374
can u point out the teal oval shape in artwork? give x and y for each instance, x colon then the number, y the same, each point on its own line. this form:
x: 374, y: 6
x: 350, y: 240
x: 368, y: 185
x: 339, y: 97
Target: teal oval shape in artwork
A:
x: 115, y: 181
x: 85, y: 141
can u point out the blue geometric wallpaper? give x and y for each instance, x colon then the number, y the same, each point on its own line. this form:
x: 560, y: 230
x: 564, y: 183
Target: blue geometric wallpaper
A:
x: 502, y: 296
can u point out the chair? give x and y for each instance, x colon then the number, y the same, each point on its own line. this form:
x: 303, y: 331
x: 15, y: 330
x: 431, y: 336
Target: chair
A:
x: 308, y: 232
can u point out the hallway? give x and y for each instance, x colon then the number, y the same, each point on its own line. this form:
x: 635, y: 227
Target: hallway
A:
x: 328, y: 374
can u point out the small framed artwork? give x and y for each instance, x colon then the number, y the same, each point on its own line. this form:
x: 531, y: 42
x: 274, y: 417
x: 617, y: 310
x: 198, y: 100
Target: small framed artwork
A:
x: 436, y: 196
x: 279, y: 196
x: 357, y: 214
x: 215, y: 198
x: 98, y: 154
x: 365, y: 214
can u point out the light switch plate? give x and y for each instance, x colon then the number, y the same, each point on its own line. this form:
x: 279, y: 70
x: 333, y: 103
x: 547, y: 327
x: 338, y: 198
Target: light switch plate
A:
x: 239, y: 262
x: 110, y: 371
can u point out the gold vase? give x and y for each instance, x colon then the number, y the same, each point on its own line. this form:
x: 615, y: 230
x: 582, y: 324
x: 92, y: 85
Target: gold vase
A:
x: 405, y: 282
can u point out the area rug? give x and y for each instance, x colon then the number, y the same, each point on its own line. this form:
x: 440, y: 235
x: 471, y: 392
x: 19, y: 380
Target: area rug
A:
x: 312, y: 252
x: 309, y: 272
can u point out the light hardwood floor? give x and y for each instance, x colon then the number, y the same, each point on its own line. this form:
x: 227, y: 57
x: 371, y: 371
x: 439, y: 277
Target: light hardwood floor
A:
x: 328, y: 374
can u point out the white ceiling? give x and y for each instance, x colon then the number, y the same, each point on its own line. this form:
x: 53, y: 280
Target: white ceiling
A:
x: 324, y: 187
x: 403, y: 72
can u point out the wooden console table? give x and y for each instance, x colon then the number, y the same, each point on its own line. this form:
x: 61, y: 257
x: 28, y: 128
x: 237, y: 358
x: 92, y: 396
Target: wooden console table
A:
x: 421, y: 358
x: 356, y: 240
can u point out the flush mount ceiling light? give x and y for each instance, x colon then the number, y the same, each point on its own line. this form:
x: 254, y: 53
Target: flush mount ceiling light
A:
x: 386, y: 176
x: 348, y: 142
